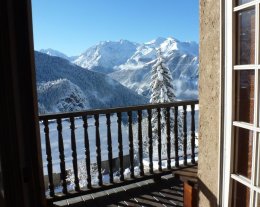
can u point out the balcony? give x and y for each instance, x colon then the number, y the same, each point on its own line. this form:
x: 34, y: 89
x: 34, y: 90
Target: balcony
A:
x: 134, y: 156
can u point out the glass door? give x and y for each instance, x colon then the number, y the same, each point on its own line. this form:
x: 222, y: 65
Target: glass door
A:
x: 244, y: 131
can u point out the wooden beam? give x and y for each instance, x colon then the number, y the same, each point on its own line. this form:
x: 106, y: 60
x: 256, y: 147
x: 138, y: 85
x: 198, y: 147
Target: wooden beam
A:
x: 20, y: 154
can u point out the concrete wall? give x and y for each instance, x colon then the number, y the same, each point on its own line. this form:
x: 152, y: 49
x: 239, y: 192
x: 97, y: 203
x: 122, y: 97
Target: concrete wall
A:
x: 209, y: 97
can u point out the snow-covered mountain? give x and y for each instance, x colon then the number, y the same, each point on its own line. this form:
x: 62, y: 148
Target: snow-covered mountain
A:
x: 106, y: 55
x: 131, y: 63
x: 63, y: 86
x: 60, y: 95
x: 180, y: 57
x: 57, y: 53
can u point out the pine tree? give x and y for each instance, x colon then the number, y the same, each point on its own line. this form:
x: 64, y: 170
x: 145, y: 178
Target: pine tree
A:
x: 163, y: 91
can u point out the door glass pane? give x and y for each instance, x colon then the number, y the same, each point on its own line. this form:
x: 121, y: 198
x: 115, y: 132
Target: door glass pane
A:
x: 245, y: 80
x: 240, y: 195
x: 243, y: 152
x: 239, y: 2
x: 245, y: 37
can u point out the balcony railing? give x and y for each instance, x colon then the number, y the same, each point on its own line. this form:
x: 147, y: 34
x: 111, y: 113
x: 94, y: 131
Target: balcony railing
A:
x: 145, y: 153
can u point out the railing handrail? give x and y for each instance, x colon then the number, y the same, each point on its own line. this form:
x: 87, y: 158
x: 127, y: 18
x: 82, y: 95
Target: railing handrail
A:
x: 171, y: 121
x: 116, y: 110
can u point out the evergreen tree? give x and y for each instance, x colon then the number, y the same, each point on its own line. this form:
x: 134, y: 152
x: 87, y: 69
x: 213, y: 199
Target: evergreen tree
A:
x: 163, y: 91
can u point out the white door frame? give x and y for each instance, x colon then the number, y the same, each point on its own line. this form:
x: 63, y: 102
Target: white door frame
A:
x: 229, y: 121
x: 228, y: 103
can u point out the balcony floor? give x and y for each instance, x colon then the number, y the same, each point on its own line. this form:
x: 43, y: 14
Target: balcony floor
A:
x: 167, y: 192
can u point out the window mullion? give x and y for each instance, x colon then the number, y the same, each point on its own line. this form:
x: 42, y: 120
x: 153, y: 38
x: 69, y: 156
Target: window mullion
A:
x: 253, y: 201
x: 256, y: 138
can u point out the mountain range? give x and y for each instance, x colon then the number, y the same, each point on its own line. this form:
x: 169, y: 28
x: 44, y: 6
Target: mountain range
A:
x: 63, y: 87
x: 124, y: 68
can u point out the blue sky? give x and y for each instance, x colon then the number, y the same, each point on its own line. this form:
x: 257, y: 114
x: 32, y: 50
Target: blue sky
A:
x: 71, y: 26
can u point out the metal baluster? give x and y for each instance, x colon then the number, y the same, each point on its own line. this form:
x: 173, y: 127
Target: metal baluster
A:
x: 176, y: 136
x: 159, y: 140
x: 168, y: 137
x: 120, y: 146
x: 62, y: 157
x: 74, y: 154
x: 131, y: 146
x: 98, y: 150
x: 49, y: 157
x: 87, y: 151
x: 109, y: 149
x: 150, y: 135
x: 140, y: 143
x: 192, y: 134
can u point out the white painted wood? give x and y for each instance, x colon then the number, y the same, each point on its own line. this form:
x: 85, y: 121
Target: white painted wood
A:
x: 256, y: 108
x: 228, y: 114
x: 246, y: 67
x: 246, y: 5
x: 256, y: 144
x: 242, y: 179
x: 245, y: 181
x: 229, y: 111
x: 244, y: 125
x: 221, y: 102
x: 258, y: 170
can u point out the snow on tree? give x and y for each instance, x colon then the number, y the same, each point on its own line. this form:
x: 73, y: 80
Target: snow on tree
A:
x: 163, y: 91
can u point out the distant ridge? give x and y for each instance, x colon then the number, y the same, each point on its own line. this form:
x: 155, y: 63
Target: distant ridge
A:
x: 63, y: 87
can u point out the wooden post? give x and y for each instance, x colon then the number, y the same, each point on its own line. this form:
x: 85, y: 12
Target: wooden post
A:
x: 62, y: 157
x: 131, y: 145
x: 140, y: 143
x: 159, y: 140
x: 120, y: 146
x: 109, y: 149
x: 74, y: 154
x: 49, y: 157
x: 185, y: 134
x: 168, y: 137
x: 150, y: 142
x: 98, y: 151
x: 87, y: 151
x: 190, y: 195
x: 176, y: 141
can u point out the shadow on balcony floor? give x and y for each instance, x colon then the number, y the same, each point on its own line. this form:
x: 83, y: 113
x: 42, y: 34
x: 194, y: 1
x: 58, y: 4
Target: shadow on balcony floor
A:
x: 167, y: 192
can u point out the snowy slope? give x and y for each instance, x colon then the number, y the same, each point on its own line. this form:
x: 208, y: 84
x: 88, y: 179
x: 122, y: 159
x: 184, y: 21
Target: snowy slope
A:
x: 104, y: 56
x: 180, y: 57
x: 61, y: 96
x: 63, y: 86
x: 131, y: 63
x: 57, y: 53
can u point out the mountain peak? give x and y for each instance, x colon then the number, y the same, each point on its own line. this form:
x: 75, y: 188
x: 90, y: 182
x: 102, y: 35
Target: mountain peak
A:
x: 157, y: 41
x: 106, y: 55
x: 172, y: 39
x: 56, y: 53
x: 53, y: 52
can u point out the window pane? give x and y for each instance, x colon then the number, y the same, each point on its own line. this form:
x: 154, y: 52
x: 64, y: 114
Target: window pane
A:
x: 246, y: 37
x: 241, y: 195
x: 243, y: 152
x: 245, y: 80
x: 239, y: 2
